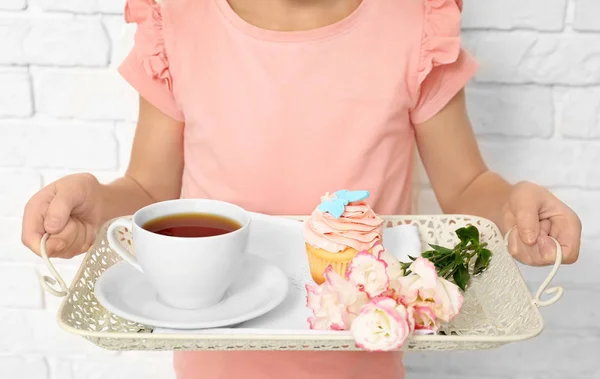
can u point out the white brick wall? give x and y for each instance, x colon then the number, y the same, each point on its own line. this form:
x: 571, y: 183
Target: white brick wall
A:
x: 535, y: 105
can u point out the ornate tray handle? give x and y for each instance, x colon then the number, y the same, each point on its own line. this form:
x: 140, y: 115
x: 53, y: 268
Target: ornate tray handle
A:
x: 49, y: 283
x: 557, y: 291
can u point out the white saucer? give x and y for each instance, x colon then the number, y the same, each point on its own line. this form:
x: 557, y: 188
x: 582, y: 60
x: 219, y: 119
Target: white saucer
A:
x: 260, y: 288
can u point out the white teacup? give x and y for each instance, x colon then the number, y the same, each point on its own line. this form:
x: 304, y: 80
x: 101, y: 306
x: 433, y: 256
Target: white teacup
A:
x: 186, y: 272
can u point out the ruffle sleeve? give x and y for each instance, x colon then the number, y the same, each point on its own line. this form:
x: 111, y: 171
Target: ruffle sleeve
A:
x: 444, y: 66
x: 146, y: 67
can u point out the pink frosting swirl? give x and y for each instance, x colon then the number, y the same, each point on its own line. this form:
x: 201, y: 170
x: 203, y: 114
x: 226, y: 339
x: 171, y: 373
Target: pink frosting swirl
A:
x: 358, y: 227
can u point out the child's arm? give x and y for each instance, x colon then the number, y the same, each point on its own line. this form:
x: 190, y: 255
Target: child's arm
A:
x: 155, y: 165
x: 463, y: 184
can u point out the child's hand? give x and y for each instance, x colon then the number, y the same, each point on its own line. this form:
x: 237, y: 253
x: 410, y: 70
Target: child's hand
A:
x: 538, y: 214
x: 463, y: 184
x: 68, y: 209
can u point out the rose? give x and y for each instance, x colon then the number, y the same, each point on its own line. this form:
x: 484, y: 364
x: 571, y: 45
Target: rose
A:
x: 335, y: 303
x: 424, y: 316
x: 448, y: 299
x: 421, y: 284
x: 382, y: 325
x: 394, y: 268
x: 327, y: 311
x: 368, y: 273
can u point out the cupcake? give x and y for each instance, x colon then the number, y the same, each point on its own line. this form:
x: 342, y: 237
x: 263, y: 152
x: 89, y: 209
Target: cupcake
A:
x: 341, y: 226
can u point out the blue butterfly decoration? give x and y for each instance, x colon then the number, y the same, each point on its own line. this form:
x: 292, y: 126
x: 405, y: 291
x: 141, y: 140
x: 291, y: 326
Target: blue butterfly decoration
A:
x: 336, y: 206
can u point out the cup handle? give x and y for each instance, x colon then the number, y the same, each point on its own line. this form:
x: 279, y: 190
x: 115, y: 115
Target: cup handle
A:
x: 113, y: 241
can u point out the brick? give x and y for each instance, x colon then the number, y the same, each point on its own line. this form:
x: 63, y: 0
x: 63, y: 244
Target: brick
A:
x: 427, y: 203
x: 15, y: 367
x: 430, y: 374
x: 89, y: 6
x: 11, y: 248
x: 58, y: 40
x: 526, y: 57
x: 67, y: 269
x: 13, y: 5
x: 123, y: 368
x: 437, y: 372
x: 104, y: 177
x: 511, y: 14
x: 546, y: 162
x: 64, y: 144
x: 586, y: 204
x: 576, y: 303
x: 12, y: 140
x: 15, y: 93
x: 17, y: 335
x: 581, y: 274
x: 13, y: 197
x: 420, y: 177
x: 20, y: 287
x: 59, y: 368
x: 52, y: 340
x: 578, y: 112
x: 37, y: 332
x: 523, y: 111
x: 125, y: 134
x: 84, y: 94
x: 586, y: 15
x: 521, y: 359
x: 121, y: 36
x: 550, y: 375
x: 73, y: 145
x: 13, y: 33
x: 165, y: 356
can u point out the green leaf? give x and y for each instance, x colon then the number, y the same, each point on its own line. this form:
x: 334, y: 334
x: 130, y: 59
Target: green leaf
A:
x: 461, y: 277
x: 459, y: 258
x: 468, y: 234
x: 441, y: 249
x: 482, y: 262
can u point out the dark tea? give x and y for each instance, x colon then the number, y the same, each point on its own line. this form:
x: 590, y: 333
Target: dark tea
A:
x: 192, y: 225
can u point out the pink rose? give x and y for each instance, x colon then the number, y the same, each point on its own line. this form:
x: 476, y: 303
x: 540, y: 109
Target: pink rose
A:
x: 393, y: 270
x: 425, y: 317
x: 328, y: 313
x: 335, y: 303
x: 420, y: 284
x: 448, y: 299
x: 382, y: 325
x: 368, y: 273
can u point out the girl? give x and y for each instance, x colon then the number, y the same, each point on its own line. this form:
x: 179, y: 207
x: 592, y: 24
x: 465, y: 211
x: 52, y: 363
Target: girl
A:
x: 271, y: 103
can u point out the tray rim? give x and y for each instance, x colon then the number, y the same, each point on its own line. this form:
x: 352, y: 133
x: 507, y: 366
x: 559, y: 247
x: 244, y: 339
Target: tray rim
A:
x: 342, y: 337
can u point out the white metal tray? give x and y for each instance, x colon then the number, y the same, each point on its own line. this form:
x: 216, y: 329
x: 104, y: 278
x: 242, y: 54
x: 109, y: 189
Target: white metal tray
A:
x: 498, y: 307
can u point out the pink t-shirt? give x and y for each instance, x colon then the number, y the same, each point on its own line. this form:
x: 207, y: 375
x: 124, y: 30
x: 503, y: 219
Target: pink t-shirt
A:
x: 273, y: 120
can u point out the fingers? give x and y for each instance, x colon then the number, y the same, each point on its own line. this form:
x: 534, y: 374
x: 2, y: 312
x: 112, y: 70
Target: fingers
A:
x: 565, y: 227
x: 49, y: 211
x: 75, y: 238
x: 58, y: 212
x: 70, y: 241
x: 530, y: 255
x: 524, y: 203
x: 567, y: 230
x: 32, y: 228
x: 545, y: 245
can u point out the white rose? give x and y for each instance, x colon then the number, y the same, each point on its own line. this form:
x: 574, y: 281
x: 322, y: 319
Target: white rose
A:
x: 335, y: 303
x: 382, y: 325
x: 369, y: 274
x: 448, y: 299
